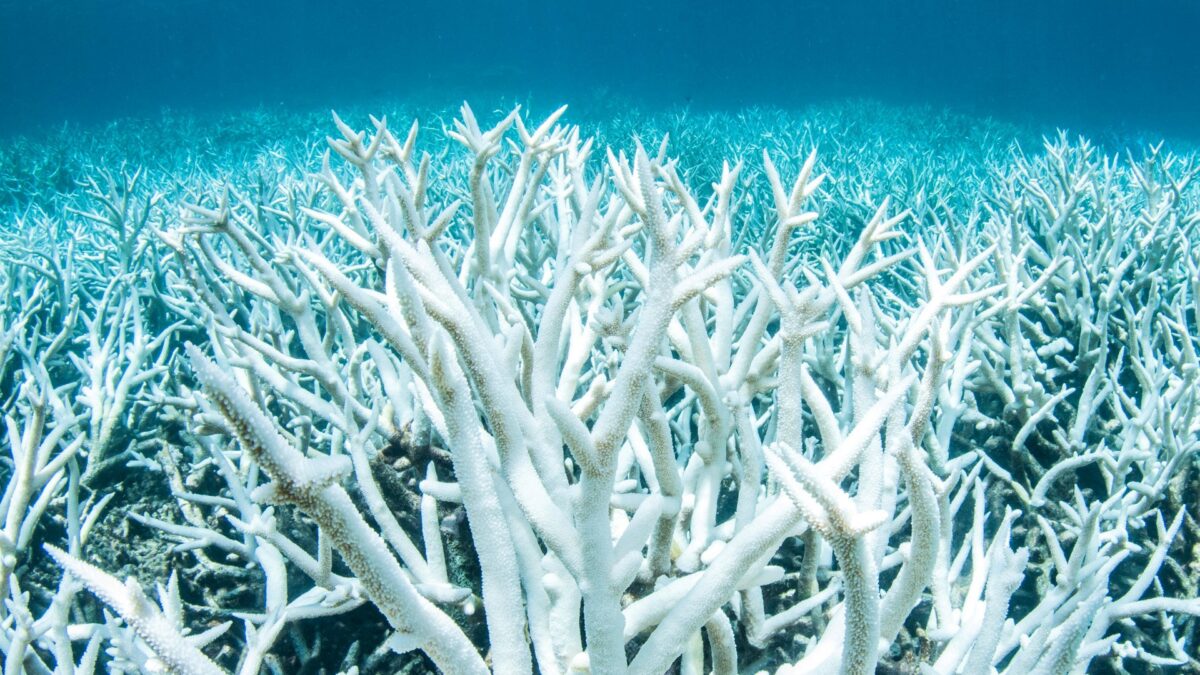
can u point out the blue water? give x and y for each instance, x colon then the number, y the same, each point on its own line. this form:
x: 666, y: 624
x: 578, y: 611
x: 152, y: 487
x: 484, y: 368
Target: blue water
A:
x: 1089, y: 66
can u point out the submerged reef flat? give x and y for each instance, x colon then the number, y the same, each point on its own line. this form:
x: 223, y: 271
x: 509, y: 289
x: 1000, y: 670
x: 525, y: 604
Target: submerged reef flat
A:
x: 854, y: 388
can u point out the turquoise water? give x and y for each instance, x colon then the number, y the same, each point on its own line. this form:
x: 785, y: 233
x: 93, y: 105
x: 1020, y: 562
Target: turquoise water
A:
x: 1067, y: 63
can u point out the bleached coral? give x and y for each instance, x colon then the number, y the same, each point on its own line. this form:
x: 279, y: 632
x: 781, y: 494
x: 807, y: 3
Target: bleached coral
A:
x: 764, y: 417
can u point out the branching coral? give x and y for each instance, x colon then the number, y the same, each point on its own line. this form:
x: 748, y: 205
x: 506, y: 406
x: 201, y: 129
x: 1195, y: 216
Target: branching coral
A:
x: 724, y: 426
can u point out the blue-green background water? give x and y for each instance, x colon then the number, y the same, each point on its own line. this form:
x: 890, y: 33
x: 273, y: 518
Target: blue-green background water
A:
x: 1101, y: 64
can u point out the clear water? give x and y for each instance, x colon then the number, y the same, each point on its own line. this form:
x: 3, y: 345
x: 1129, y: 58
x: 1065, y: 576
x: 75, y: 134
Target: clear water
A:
x: 1089, y: 66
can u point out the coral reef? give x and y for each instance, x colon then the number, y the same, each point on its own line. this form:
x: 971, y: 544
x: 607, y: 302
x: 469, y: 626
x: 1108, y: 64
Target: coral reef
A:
x: 887, y: 391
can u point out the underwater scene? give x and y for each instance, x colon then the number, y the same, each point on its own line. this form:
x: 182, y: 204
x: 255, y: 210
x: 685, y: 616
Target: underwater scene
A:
x: 519, y: 337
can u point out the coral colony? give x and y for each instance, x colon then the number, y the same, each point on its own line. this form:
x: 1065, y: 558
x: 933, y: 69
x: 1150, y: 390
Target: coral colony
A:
x: 885, y: 392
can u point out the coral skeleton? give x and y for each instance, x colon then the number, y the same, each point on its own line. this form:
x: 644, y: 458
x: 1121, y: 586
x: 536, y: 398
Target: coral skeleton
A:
x: 517, y: 402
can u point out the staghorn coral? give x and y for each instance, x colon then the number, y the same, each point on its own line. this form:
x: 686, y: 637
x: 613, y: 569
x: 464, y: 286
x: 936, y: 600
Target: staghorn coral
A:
x: 937, y: 408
